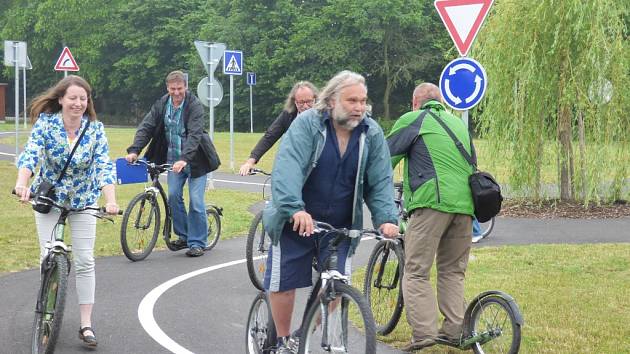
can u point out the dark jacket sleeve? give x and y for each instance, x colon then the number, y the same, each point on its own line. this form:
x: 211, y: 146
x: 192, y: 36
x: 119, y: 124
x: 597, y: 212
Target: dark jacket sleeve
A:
x: 273, y: 133
x: 194, y: 127
x: 146, y: 129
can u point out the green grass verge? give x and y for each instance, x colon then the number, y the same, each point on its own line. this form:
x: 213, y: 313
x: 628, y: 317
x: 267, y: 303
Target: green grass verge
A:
x: 120, y: 138
x: 19, y: 237
x: 574, y: 298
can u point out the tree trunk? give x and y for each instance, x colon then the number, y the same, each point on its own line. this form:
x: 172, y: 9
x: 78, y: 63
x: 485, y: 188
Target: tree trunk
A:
x: 564, y: 136
x: 388, y: 81
x: 582, y: 154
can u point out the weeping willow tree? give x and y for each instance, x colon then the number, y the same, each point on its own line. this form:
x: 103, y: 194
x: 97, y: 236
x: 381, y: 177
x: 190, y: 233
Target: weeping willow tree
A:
x: 558, y: 91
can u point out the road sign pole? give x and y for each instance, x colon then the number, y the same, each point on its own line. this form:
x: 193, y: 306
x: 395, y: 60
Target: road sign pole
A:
x: 210, y: 179
x: 17, y: 98
x: 251, y: 110
x: 210, y: 81
x: 232, y: 122
x: 24, y: 96
x: 465, y: 118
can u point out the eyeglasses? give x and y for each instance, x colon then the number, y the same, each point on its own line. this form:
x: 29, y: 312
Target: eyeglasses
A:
x: 305, y: 102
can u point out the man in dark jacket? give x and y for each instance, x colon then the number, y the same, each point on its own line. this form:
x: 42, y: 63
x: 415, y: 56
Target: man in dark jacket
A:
x: 174, y: 128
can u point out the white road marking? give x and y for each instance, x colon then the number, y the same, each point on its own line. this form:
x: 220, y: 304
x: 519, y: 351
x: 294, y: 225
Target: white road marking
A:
x: 7, y: 154
x: 238, y: 182
x: 145, y: 309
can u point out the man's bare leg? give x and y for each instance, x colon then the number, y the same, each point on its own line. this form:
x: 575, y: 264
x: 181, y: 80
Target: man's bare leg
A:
x: 282, y: 310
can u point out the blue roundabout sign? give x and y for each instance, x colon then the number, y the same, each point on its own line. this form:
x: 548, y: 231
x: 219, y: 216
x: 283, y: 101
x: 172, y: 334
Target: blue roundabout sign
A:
x: 463, y: 83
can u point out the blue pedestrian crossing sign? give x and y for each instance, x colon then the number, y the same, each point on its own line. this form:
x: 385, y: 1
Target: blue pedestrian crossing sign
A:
x: 251, y: 79
x: 233, y: 62
x: 463, y: 83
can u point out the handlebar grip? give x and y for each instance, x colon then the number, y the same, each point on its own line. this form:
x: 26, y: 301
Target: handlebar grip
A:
x: 104, y: 211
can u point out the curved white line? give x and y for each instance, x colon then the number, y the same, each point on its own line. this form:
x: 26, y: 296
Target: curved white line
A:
x: 145, y: 310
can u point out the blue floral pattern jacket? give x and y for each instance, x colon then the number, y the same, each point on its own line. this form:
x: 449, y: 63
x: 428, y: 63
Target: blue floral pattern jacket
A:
x: 89, y: 171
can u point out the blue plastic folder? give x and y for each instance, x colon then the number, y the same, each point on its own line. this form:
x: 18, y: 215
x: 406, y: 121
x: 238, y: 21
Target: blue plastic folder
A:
x: 127, y: 173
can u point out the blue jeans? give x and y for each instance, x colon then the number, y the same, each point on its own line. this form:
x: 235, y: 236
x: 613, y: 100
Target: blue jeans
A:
x: 191, y: 226
x: 476, y: 227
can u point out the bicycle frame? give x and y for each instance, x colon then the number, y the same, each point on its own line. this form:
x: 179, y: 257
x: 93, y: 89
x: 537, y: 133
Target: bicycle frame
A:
x: 328, y: 273
x: 156, y: 189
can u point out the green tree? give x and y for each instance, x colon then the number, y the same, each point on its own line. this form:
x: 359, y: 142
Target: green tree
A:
x: 548, y: 63
x: 393, y: 43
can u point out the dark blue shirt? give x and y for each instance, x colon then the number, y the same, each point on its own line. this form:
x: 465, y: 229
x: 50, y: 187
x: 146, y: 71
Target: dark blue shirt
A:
x: 329, y: 190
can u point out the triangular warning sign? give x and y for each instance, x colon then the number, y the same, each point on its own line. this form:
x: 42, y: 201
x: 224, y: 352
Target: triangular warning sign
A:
x: 66, y: 61
x: 233, y: 65
x: 462, y: 19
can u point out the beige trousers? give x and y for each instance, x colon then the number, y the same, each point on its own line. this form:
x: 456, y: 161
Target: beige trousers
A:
x: 447, y: 239
x: 83, y: 230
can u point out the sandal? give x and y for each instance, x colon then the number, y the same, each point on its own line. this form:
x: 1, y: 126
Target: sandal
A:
x: 89, y: 340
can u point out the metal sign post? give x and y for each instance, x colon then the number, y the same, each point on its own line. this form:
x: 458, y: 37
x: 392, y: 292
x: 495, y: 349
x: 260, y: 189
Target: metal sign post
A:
x: 251, y: 81
x: 15, y: 55
x: 232, y: 65
x: 28, y: 66
x: 17, y: 98
x: 210, y: 54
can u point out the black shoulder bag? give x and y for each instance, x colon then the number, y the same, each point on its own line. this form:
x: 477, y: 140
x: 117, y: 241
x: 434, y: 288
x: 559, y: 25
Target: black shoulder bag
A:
x: 47, y: 189
x: 486, y: 192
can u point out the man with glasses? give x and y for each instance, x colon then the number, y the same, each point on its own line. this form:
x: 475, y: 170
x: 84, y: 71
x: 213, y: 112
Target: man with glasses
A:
x: 302, y: 97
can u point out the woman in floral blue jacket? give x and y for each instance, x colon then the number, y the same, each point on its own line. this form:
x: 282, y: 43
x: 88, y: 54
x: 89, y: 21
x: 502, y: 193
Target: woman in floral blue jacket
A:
x: 60, y: 115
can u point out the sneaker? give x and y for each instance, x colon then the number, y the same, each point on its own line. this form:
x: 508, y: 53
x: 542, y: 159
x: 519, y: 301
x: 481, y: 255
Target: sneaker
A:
x: 293, y: 344
x: 284, y: 349
x: 179, y: 244
x: 421, y: 344
x: 476, y: 239
x: 195, y: 252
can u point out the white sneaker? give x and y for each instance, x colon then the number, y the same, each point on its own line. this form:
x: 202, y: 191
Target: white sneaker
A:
x: 476, y: 239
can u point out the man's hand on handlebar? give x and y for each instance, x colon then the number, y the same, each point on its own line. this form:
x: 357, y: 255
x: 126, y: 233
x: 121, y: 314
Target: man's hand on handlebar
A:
x: 303, y: 223
x: 247, y: 167
x: 389, y: 230
x: 131, y: 157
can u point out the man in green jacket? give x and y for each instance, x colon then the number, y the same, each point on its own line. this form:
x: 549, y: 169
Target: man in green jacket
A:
x: 438, y: 198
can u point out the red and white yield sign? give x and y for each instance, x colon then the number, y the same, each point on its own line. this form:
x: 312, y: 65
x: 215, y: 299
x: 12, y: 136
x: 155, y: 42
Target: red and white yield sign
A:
x: 462, y: 19
x: 66, y: 61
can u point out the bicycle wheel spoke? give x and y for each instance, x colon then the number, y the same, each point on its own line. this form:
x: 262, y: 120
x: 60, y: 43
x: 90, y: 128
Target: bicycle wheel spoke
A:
x: 339, y: 324
x: 493, y: 321
x: 49, y: 313
x: 260, y: 333
x: 382, y: 286
x: 140, y: 227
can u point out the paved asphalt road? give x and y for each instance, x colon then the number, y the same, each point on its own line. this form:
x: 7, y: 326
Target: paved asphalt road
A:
x: 206, y: 311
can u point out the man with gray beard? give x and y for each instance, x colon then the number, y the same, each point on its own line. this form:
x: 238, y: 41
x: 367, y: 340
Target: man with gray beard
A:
x: 331, y: 158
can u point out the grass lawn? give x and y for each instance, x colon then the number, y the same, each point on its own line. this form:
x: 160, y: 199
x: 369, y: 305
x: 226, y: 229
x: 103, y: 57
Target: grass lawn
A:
x: 574, y: 298
x: 18, y: 224
x: 120, y: 138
